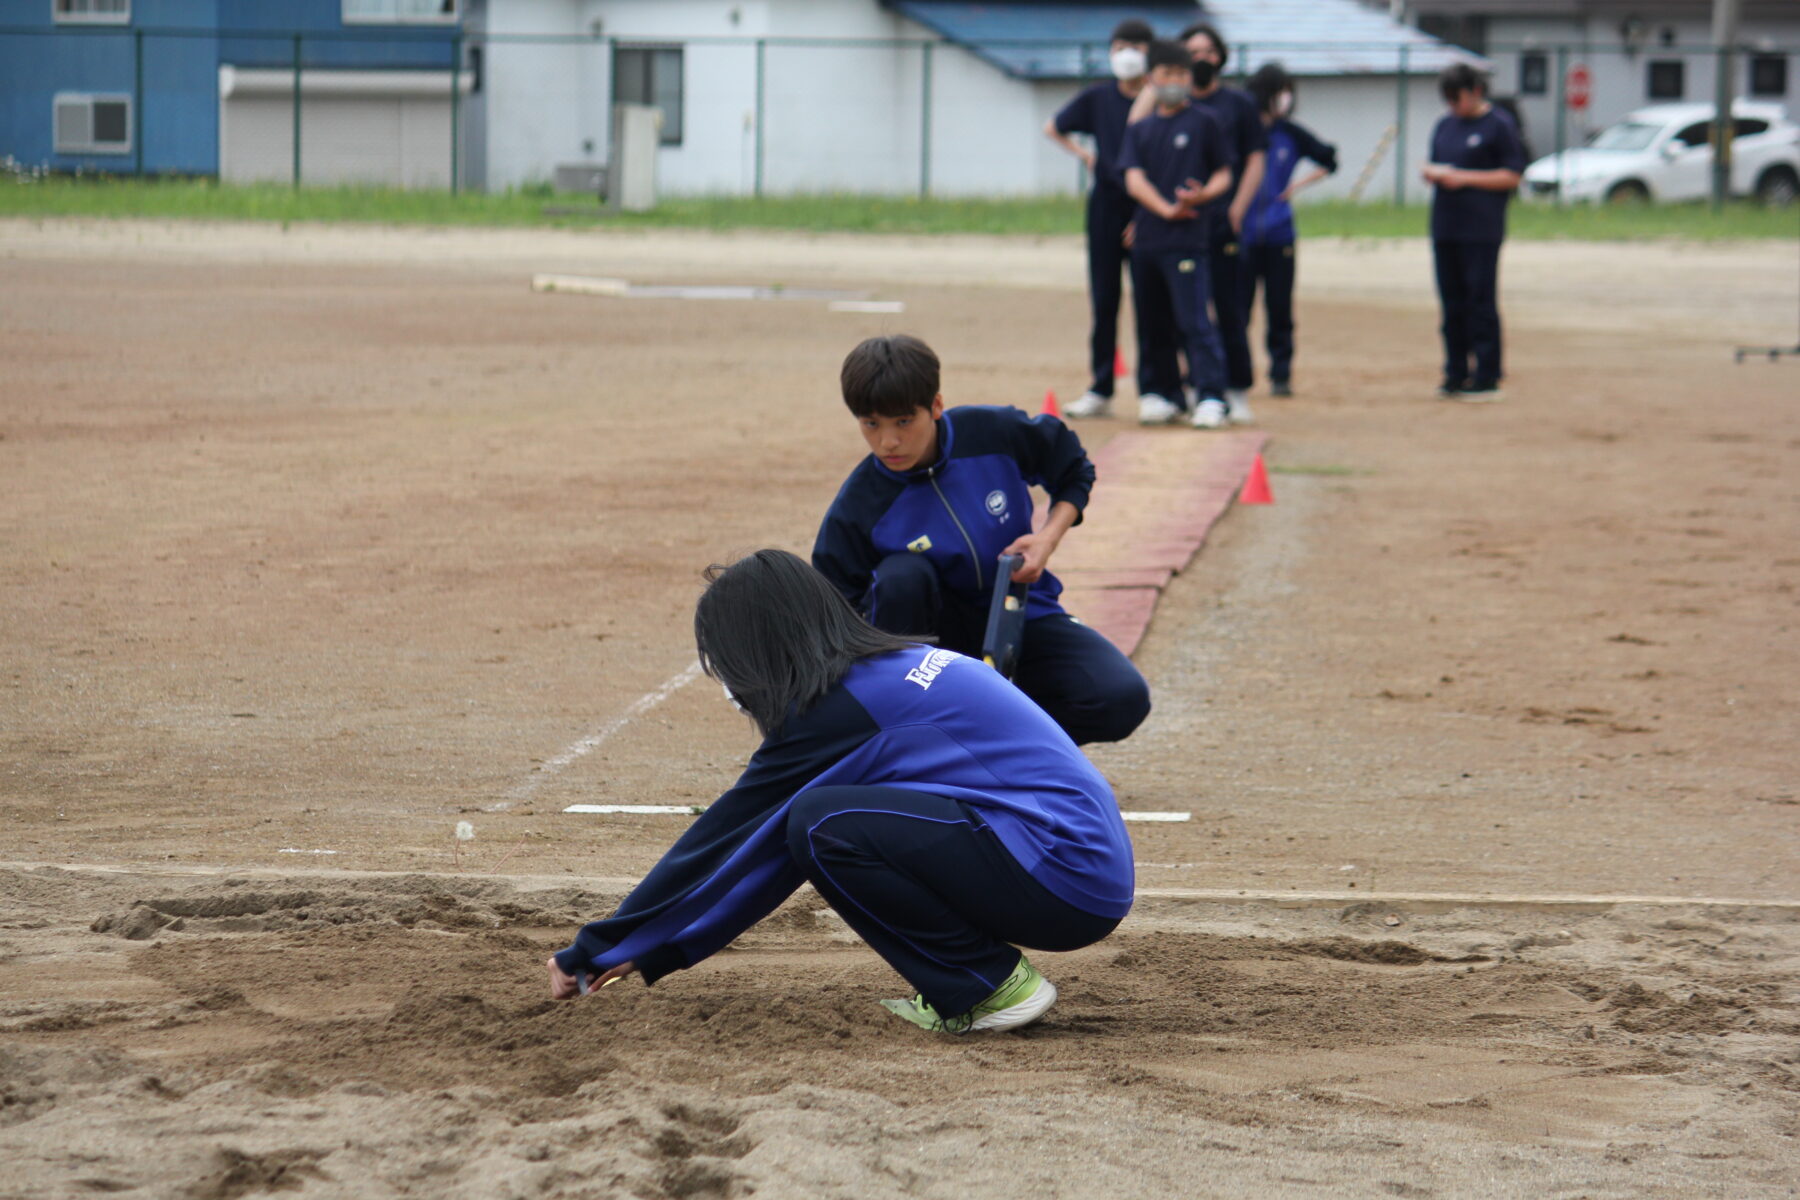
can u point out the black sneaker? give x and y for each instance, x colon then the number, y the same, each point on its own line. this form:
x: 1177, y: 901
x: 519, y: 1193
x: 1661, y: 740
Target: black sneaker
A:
x: 1280, y: 388
x: 1451, y: 389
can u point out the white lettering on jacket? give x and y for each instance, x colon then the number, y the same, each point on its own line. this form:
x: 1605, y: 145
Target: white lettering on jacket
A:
x: 930, y: 667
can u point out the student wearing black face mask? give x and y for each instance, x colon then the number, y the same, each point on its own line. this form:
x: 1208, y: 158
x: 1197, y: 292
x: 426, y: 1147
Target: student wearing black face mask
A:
x: 1248, y: 142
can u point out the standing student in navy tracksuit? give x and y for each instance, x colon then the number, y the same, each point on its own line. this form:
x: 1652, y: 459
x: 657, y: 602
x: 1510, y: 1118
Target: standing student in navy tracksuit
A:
x: 937, y: 810
x: 1476, y: 162
x: 913, y: 538
x: 1269, y: 235
x: 1248, y: 143
x: 1100, y: 112
x: 1175, y: 164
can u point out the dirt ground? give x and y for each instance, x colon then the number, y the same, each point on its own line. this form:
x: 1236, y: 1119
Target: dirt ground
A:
x: 314, y: 543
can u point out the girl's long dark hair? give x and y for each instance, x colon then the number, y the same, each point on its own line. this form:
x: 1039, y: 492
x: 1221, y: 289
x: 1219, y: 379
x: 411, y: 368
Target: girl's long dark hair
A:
x: 778, y: 635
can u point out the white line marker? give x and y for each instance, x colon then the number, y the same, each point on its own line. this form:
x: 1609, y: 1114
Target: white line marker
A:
x: 594, y: 740
x: 692, y: 810
x: 867, y: 306
x: 586, y: 285
x: 1157, y: 816
x: 296, y: 850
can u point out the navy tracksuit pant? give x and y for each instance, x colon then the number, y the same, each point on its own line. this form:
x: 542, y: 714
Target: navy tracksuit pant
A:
x: 930, y: 888
x: 1226, y: 263
x: 1071, y: 672
x: 1468, y: 280
x: 1273, y: 268
x: 1172, y: 289
x: 1109, y: 211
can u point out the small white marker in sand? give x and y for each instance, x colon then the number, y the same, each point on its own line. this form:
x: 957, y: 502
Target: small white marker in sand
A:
x: 297, y: 850
x: 867, y: 306
x: 1157, y: 816
x: 585, y: 285
x: 691, y: 810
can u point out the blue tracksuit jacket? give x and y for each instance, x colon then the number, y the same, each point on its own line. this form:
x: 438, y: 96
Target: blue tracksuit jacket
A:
x: 921, y: 718
x: 961, y: 511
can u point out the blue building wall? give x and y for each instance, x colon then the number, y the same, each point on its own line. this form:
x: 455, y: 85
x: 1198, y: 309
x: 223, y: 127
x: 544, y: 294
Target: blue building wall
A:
x: 180, y: 44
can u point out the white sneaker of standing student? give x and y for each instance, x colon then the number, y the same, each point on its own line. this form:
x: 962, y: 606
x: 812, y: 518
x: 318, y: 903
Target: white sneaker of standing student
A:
x: 1237, y: 407
x: 1091, y: 404
x: 1209, y: 414
x: 1154, y: 410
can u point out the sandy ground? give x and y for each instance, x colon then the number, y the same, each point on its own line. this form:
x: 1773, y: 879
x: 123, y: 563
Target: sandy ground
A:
x: 324, y: 540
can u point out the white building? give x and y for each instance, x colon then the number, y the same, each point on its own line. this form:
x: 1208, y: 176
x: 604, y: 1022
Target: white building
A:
x: 1634, y: 52
x: 896, y: 96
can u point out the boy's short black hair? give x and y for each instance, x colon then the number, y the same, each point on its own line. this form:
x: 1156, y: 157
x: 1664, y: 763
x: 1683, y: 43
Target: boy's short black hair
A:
x: 1269, y: 81
x: 1218, y: 39
x: 890, y: 377
x: 1458, y: 78
x: 1164, y: 53
x: 1134, y: 30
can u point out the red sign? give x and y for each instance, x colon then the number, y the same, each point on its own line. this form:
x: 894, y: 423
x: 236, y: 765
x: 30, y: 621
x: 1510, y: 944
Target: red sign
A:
x: 1577, y: 87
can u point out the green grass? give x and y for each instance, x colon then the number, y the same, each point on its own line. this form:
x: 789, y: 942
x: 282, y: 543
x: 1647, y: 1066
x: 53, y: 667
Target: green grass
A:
x: 208, y: 200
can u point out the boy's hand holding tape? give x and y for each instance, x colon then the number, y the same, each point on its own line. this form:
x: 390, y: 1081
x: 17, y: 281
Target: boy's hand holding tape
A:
x: 563, y: 985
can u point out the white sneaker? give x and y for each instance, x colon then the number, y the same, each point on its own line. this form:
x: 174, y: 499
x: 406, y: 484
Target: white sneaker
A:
x: 1091, y: 404
x: 1154, y: 410
x: 1192, y: 396
x: 1237, y: 406
x: 1209, y: 414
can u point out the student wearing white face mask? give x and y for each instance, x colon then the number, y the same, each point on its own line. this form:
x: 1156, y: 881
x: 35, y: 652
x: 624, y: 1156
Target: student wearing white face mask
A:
x: 1269, y: 237
x: 1100, y: 112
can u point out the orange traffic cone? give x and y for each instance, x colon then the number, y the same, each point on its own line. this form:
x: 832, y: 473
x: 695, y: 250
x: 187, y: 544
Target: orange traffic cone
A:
x: 1120, y: 370
x: 1256, y: 485
x: 1051, y: 407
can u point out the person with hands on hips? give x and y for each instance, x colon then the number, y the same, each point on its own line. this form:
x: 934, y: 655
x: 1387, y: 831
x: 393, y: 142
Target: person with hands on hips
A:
x: 1101, y: 112
x: 913, y: 538
x: 941, y: 813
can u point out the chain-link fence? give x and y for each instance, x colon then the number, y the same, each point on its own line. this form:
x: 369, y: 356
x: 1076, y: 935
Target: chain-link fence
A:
x: 454, y: 108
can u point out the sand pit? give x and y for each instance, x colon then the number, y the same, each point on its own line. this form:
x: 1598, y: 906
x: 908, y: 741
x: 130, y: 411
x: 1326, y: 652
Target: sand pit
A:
x: 227, y: 1035
x: 343, y: 537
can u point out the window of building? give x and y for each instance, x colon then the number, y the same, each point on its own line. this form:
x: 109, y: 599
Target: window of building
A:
x: 1768, y: 74
x: 114, y: 12
x: 1468, y: 31
x: 401, y: 12
x: 1534, y: 74
x: 1667, y: 79
x: 651, y: 75
x: 92, y: 124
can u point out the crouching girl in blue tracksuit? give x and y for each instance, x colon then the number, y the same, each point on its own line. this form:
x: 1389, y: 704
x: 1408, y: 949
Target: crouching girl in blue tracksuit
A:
x: 939, y: 811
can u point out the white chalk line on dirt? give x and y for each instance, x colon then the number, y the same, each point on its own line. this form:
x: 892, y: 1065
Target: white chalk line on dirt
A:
x: 596, y: 739
x: 1221, y: 896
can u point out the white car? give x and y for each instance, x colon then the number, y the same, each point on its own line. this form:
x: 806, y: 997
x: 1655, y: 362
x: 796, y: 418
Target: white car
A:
x: 1664, y: 153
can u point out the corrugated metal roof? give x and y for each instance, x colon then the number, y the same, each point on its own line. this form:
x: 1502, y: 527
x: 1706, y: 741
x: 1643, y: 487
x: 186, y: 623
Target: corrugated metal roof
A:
x: 1069, y: 40
x: 1041, y: 41
x: 1327, y: 37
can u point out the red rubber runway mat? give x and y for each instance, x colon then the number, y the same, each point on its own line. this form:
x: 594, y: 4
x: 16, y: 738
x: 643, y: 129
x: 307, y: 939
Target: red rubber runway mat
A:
x: 1158, y: 495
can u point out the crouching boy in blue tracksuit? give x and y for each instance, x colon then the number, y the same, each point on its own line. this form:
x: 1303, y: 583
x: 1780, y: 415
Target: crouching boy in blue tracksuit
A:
x: 943, y: 815
x: 913, y: 538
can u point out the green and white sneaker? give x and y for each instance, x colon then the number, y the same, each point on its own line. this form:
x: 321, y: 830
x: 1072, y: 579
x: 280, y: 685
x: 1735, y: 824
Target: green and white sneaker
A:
x: 1022, y: 999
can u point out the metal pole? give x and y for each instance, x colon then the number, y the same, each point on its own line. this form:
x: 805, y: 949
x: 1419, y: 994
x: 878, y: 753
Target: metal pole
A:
x: 761, y: 56
x: 1400, y: 129
x: 137, y: 99
x: 1561, y: 85
x: 925, y: 121
x: 1243, y: 57
x: 456, y: 53
x: 1724, y: 36
x: 296, y: 110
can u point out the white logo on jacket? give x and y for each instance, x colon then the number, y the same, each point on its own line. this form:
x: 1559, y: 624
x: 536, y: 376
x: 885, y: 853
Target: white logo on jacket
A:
x: 930, y: 667
x: 1181, y: 141
x: 996, y: 504
x: 1474, y: 139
